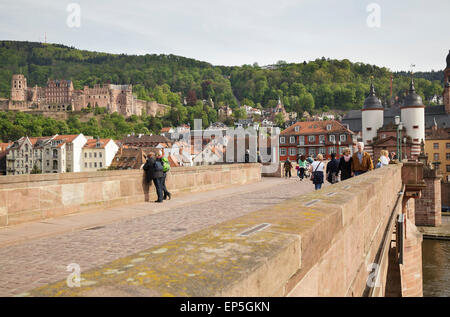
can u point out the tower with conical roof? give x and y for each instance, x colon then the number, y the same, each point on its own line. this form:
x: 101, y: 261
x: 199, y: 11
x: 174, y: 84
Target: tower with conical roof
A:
x: 446, y: 93
x: 413, y: 118
x: 372, y: 119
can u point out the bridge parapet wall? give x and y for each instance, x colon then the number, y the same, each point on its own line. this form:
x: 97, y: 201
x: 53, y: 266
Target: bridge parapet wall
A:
x: 318, y: 244
x: 26, y: 198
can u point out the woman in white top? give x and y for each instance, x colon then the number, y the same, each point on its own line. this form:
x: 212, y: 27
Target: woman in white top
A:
x: 316, y: 169
x: 384, y: 158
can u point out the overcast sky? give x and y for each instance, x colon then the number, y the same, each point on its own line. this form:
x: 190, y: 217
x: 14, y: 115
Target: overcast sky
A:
x: 236, y: 32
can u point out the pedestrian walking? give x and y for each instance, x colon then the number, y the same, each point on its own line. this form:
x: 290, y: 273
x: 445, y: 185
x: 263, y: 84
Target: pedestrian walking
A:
x: 384, y: 159
x: 154, y: 172
x: 287, y: 168
x: 302, y: 164
x: 345, y: 164
x: 362, y: 162
x: 317, y: 168
x: 332, y: 170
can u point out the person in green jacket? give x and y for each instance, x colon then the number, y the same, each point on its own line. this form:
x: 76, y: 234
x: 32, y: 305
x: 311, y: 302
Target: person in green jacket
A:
x: 166, y: 168
x: 302, y: 164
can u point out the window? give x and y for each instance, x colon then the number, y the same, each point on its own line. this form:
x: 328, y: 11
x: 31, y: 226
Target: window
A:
x: 332, y: 138
x: 343, y: 137
x: 301, y: 140
x: 48, y: 163
x: 297, y: 128
x: 95, y: 154
x: 90, y: 164
x: 415, y: 127
x: 55, y: 153
x: 100, y: 154
x: 282, y: 139
x: 328, y: 127
x: 447, y: 145
x: 331, y: 149
x: 321, y: 139
x: 436, y: 156
x: 323, y: 150
x: 90, y: 154
x: 100, y: 164
x: 85, y: 155
x: 95, y: 164
x: 282, y: 151
x: 341, y: 150
x: 369, y: 129
x: 301, y: 151
x: 292, y: 151
x: 55, y: 164
x: 448, y: 168
x: 292, y: 139
x: 85, y: 165
x: 312, y: 152
x: 435, y: 145
x: 312, y: 139
x: 447, y: 156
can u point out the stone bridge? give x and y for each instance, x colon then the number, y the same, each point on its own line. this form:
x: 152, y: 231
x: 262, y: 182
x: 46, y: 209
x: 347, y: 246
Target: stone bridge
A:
x: 226, y: 232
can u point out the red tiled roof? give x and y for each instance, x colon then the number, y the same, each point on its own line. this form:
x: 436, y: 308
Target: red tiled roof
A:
x: 166, y: 129
x: 316, y: 127
x: 67, y: 138
x: 92, y: 143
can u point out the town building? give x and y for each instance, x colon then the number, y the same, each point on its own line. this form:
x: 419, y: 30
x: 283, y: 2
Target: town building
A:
x: 53, y: 154
x: 310, y: 138
x: 437, y: 148
x: 98, y: 154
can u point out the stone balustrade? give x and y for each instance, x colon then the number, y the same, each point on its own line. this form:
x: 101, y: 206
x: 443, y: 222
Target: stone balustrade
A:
x: 26, y: 198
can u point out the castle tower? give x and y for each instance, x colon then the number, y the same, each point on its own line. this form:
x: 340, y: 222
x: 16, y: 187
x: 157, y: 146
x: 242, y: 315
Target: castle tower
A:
x: 413, y: 118
x: 18, y: 88
x: 447, y: 85
x: 372, y: 119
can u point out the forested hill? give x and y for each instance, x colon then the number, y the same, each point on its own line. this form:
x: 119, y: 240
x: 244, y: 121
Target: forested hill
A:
x: 316, y: 85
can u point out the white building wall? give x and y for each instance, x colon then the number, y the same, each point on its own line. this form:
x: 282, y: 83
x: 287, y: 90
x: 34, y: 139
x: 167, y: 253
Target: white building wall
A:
x: 371, y: 119
x: 110, y: 151
x: 78, y: 144
x: 414, y: 117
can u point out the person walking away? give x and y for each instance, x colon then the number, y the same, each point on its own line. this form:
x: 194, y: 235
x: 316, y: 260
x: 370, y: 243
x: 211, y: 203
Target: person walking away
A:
x: 332, y: 170
x: 166, y: 169
x: 384, y: 159
x: 345, y: 164
x: 316, y: 169
x: 302, y: 166
x: 287, y: 168
x: 154, y: 172
x: 362, y: 162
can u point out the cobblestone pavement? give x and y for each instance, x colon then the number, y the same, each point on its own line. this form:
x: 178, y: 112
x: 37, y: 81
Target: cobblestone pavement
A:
x: 41, y: 261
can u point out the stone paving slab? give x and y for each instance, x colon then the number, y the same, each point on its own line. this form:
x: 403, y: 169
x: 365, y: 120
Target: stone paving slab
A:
x: 39, y: 261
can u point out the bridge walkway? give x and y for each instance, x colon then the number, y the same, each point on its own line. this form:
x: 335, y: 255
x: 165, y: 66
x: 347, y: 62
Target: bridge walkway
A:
x: 36, y: 254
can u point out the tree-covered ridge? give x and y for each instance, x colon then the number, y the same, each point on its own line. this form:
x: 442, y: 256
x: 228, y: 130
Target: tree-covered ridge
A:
x: 313, y: 86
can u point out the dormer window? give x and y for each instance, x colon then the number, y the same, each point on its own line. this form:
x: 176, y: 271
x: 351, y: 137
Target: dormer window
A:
x: 297, y: 128
x: 328, y: 127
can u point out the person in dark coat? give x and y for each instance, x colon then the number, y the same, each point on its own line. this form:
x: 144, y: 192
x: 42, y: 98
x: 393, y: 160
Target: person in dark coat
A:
x: 332, y: 169
x: 287, y: 168
x: 345, y: 164
x: 152, y: 172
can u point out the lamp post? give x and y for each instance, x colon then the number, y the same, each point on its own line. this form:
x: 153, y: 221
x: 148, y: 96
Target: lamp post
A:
x: 399, y: 125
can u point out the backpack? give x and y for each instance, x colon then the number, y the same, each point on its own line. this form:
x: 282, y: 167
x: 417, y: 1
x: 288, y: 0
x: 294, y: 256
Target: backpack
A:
x: 166, y: 165
x: 158, y: 166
